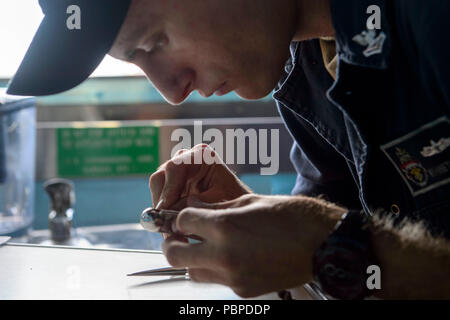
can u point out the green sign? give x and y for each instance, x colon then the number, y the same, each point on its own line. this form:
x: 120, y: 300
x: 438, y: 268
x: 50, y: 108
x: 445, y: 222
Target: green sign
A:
x: 107, y: 152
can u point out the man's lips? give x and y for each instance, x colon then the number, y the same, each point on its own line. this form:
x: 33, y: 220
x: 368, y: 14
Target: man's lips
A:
x: 187, y: 91
x: 223, y: 89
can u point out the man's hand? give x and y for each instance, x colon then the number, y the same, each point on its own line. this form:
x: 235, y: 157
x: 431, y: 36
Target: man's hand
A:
x: 184, y: 175
x: 253, y: 244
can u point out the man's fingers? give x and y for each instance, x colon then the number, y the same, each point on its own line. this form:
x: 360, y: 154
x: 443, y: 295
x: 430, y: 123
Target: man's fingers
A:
x: 175, y: 180
x: 206, y: 276
x: 180, y: 176
x: 185, y: 255
x: 180, y: 152
x: 175, y: 237
x: 156, y: 184
x: 157, y: 180
x: 195, y: 221
x: 180, y: 204
x: 196, y: 202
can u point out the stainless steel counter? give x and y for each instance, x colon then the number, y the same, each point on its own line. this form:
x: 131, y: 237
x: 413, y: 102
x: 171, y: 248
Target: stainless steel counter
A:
x: 52, y: 272
x: 37, y: 272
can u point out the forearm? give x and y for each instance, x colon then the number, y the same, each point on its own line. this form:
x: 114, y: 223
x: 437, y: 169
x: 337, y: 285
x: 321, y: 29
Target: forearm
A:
x: 413, y: 264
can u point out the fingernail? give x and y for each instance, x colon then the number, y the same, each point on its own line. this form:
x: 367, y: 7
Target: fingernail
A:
x: 159, y: 204
x: 174, y: 226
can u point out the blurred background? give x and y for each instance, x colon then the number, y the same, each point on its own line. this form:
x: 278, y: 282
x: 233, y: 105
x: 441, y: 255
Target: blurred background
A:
x: 111, y: 133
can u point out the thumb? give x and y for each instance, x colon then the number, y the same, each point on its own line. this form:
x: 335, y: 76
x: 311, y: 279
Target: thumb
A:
x: 195, y: 221
x: 192, y: 201
x: 175, y: 176
x: 196, y: 202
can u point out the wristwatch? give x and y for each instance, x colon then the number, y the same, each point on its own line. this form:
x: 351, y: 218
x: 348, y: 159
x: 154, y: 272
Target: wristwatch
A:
x: 340, y: 264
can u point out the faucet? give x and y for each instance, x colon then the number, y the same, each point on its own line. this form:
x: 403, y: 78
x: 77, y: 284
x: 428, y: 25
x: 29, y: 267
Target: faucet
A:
x: 62, y: 200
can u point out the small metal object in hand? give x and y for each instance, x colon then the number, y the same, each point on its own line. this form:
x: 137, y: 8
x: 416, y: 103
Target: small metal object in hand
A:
x: 4, y: 240
x: 167, y: 271
x: 158, y: 220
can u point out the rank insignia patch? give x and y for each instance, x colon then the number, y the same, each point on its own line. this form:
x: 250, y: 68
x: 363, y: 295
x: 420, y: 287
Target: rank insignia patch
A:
x: 423, y: 163
x: 373, y: 43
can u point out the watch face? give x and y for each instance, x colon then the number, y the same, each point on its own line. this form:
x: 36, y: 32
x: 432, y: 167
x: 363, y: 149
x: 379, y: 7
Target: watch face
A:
x: 341, y: 271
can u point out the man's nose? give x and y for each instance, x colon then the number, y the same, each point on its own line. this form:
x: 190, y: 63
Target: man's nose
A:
x: 175, y: 86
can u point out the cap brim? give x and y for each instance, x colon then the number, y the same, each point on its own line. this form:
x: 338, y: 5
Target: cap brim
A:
x: 59, y: 59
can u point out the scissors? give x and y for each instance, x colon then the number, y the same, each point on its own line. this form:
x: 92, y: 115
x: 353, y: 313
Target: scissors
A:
x: 167, y: 271
x: 158, y: 220
x: 311, y: 288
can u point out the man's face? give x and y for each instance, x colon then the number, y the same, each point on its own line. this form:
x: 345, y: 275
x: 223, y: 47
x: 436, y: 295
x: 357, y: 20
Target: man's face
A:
x: 213, y: 46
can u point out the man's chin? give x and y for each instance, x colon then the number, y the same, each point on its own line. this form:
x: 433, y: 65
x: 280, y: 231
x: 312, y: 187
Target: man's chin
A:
x: 253, y: 93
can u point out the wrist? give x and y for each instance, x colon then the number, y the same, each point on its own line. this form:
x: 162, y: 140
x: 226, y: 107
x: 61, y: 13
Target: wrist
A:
x: 324, y: 217
x: 318, y: 221
x: 340, y: 264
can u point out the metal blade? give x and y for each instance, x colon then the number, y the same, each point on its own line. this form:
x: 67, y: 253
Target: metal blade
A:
x: 160, y: 272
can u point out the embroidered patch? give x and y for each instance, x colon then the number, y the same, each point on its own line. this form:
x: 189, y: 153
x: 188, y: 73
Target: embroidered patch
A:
x: 422, y: 157
x: 370, y: 40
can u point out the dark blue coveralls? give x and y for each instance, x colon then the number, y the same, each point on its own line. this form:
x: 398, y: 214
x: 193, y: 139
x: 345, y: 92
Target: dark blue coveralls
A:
x: 377, y: 138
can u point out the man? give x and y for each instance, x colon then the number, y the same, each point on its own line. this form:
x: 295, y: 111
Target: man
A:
x: 370, y: 152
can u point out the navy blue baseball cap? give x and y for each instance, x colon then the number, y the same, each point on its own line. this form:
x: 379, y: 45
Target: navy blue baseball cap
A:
x: 72, y: 40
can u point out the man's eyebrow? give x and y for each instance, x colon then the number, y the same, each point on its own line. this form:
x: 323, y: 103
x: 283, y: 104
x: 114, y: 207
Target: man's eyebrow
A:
x: 130, y: 39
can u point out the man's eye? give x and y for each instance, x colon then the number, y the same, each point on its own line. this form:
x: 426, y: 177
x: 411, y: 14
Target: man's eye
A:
x: 159, y: 45
x: 162, y: 41
x: 130, y: 55
x: 154, y: 48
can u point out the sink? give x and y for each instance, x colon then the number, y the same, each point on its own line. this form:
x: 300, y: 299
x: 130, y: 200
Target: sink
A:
x: 123, y: 236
